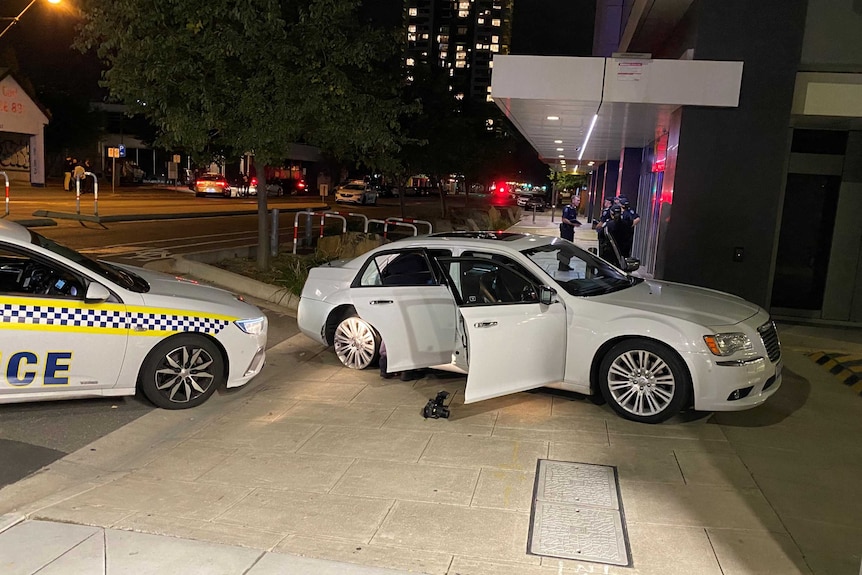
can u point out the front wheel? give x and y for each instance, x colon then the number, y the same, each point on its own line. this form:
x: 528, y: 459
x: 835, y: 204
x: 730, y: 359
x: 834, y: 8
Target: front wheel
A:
x: 644, y: 381
x: 182, y: 372
x: 357, y: 344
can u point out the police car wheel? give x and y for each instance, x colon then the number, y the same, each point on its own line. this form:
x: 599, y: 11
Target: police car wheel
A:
x: 182, y: 372
x: 356, y: 343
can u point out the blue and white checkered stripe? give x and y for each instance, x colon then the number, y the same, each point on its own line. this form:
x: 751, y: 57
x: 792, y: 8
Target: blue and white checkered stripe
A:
x: 107, y: 318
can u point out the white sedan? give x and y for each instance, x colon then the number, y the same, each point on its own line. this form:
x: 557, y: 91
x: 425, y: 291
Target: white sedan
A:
x: 356, y: 192
x: 516, y: 312
x: 72, y: 327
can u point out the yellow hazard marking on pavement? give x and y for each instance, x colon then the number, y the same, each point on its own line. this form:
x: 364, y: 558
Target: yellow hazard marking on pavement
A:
x: 843, y: 366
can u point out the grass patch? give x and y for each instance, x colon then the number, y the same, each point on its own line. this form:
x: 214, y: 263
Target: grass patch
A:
x: 285, y: 270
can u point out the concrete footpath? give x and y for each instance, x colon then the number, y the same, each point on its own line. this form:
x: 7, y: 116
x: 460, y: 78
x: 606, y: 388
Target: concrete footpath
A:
x: 314, y: 468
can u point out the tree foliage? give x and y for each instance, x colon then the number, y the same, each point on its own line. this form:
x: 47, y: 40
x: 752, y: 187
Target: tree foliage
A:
x: 251, y: 75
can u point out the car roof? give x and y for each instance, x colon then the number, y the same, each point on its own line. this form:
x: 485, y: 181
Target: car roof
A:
x: 480, y: 239
x: 12, y: 231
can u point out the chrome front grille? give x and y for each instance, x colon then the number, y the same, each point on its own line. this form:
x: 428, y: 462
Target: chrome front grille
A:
x: 769, y: 335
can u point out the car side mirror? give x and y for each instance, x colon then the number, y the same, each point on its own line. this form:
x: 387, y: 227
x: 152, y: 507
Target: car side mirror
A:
x: 632, y: 264
x: 96, y: 292
x: 547, y: 295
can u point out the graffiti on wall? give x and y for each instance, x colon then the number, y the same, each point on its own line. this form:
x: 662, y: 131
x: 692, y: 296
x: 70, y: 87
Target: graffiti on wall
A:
x: 14, y: 152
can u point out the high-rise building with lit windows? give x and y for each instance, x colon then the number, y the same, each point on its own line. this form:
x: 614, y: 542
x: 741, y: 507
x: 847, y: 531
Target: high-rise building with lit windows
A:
x: 460, y: 36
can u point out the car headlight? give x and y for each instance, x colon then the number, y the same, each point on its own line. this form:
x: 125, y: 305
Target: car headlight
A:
x: 252, y: 326
x: 727, y: 343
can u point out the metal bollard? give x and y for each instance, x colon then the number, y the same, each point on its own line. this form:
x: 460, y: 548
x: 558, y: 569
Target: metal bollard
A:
x: 273, y: 233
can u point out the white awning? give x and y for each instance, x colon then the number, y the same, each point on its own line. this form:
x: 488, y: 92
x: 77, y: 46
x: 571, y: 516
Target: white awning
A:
x: 553, y: 100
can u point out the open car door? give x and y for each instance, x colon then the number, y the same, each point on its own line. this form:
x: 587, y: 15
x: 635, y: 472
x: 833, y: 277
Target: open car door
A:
x: 514, y: 342
x: 413, y: 311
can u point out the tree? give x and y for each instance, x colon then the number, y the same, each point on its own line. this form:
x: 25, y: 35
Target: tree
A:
x: 252, y: 76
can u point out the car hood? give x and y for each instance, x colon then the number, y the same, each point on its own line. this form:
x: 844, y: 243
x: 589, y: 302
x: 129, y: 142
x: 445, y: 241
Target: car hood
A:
x: 691, y: 303
x: 169, y: 291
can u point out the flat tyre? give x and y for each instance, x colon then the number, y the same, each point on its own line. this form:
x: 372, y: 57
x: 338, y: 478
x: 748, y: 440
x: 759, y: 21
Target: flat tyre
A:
x: 356, y: 343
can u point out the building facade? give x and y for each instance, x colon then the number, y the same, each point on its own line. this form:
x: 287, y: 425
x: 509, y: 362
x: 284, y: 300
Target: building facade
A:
x: 759, y: 197
x: 461, y: 37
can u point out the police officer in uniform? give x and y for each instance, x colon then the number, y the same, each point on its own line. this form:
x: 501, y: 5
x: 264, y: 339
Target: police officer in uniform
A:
x: 570, y: 220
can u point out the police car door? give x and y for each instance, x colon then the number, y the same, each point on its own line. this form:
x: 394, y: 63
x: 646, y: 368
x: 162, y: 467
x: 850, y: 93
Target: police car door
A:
x: 53, y: 341
x: 514, y: 342
x: 398, y: 293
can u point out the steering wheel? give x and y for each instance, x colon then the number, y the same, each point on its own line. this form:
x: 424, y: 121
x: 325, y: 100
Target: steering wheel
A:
x: 37, y: 279
x: 528, y: 293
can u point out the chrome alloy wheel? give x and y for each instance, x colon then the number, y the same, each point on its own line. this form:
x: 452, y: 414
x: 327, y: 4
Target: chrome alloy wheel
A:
x: 186, y: 373
x: 641, y: 383
x: 355, y: 343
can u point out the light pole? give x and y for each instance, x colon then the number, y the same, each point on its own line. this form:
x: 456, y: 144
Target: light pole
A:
x: 13, y: 21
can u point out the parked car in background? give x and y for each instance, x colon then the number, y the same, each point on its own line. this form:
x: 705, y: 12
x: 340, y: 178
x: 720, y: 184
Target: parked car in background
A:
x: 459, y: 300
x: 356, y: 192
x: 212, y: 185
x: 533, y: 202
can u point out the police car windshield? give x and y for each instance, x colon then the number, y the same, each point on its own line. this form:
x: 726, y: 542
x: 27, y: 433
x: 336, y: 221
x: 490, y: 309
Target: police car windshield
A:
x: 578, y: 271
x: 106, y: 270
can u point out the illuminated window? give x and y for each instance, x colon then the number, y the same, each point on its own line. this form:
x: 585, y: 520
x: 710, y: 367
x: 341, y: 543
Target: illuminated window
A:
x: 410, y: 62
x: 413, y: 12
x: 495, y: 39
x: 496, y: 22
x: 489, y: 123
x: 461, y: 56
x: 459, y: 96
x: 480, y: 20
x: 459, y: 48
x: 443, y: 55
x: 424, y: 36
x: 488, y: 98
x: 479, y: 46
x: 463, y: 13
x: 460, y: 64
x: 464, y: 6
x: 411, y: 37
x: 411, y: 28
x: 491, y: 64
x: 495, y: 48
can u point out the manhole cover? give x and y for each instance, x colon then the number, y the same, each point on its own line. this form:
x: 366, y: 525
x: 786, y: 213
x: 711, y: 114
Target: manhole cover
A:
x: 577, y: 514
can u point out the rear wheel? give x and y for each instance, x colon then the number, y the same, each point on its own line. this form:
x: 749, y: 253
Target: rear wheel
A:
x: 644, y: 381
x: 356, y: 343
x: 182, y: 371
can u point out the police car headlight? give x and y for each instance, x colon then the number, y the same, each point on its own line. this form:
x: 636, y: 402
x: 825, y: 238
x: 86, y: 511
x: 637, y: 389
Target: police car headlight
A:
x: 727, y: 343
x: 253, y: 326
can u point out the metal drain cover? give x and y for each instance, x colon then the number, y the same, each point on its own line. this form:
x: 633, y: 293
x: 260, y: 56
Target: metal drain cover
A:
x: 577, y: 514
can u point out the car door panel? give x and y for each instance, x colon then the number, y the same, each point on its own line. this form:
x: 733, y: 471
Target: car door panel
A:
x: 417, y: 323
x: 514, y: 342
x: 513, y: 348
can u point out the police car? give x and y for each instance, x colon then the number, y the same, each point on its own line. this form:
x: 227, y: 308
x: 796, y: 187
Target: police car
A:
x: 72, y: 327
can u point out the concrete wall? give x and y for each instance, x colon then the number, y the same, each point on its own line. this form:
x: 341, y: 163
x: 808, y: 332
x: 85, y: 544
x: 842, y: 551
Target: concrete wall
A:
x: 731, y: 164
x: 833, y: 36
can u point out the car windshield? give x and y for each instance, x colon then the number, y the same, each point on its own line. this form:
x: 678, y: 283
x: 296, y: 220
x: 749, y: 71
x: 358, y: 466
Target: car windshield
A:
x: 578, y: 271
x: 119, y: 276
x: 359, y: 187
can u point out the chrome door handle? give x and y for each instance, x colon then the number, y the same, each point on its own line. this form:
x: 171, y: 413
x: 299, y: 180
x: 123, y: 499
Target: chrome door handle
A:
x: 485, y: 324
x: 380, y: 301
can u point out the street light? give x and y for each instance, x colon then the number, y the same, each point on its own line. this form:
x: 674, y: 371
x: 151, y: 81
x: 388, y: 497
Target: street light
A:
x: 13, y: 21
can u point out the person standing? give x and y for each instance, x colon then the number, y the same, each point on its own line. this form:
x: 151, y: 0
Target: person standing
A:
x: 622, y: 232
x: 67, y: 173
x: 570, y: 219
x: 628, y: 212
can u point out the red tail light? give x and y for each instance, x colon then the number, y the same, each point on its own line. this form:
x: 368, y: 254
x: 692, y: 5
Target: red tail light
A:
x: 300, y: 185
x: 254, y: 181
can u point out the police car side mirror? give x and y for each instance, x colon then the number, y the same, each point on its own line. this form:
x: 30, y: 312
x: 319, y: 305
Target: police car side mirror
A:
x: 96, y: 292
